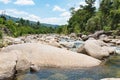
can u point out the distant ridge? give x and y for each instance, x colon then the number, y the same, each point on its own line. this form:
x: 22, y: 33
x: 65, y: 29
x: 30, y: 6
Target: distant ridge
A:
x: 17, y: 19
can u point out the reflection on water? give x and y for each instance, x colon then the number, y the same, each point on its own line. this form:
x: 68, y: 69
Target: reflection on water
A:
x: 110, y: 69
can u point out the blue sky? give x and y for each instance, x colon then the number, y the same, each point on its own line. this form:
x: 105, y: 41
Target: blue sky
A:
x: 45, y: 11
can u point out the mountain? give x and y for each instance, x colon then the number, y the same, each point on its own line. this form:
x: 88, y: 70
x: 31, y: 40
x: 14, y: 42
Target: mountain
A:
x: 17, y: 19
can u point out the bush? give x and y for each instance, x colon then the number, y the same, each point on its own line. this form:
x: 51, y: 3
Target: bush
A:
x: 107, y: 28
x: 1, y: 35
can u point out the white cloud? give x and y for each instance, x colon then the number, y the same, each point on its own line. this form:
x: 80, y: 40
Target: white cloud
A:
x: 65, y: 14
x: 16, y: 12
x: 51, y: 20
x: 5, y: 1
x: 24, y: 2
x: 58, y: 8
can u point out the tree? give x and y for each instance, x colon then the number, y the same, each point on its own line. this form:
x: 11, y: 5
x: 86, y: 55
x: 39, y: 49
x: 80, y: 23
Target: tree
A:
x: 80, y: 17
x: 64, y: 29
x: 22, y: 21
x: 38, y: 23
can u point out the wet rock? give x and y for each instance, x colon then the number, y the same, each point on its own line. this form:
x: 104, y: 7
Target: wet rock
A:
x: 34, y: 68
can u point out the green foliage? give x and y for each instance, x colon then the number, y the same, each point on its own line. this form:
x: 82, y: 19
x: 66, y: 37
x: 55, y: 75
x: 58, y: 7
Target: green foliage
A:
x: 77, y: 22
x: 62, y: 29
x: 88, y: 20
x: 1, y: 35
x: 1, y: 20
x: 94, y: 23
x: 107, y: 28
x: 23, y: 27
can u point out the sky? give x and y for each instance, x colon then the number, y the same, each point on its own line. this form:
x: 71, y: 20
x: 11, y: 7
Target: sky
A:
x: 45, y: 11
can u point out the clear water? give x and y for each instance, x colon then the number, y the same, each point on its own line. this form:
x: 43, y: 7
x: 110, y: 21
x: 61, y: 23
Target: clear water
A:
x: 110, y: 69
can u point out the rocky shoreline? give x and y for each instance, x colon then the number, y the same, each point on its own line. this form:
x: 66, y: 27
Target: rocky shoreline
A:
x: 51, y: 50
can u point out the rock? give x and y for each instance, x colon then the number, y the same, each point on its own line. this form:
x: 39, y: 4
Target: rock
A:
x: 17, y: 41
x: 34, y: 68
x: 117, y: 51
x: 110, y: 50
x: 103, y: 36
x: 55, y: 44
x: 113, y: 41
x: 67, y: 44
x: 96, y: 49
x: 111, y: 79
x: 72, y: 35
x: 97, y: 34
x: 7, y: 64
x: 118, y: 42
x: 23, y: 62
x: 84, y: 37
x: 81, y: 49
x: 48, y: 56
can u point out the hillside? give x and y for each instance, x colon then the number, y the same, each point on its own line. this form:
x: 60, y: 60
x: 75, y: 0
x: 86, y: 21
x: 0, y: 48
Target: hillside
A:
x: 32, y: 22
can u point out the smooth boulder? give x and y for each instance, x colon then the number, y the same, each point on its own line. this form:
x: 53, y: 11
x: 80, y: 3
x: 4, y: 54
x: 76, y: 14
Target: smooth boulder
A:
x: 47, y: 56
x: 96, y: 48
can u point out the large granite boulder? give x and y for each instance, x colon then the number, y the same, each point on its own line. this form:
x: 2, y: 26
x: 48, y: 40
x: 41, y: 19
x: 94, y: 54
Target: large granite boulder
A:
x: 45, y: 55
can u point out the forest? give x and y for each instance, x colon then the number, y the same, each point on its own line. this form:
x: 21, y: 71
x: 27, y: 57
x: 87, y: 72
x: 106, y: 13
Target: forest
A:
x: 89, y: 19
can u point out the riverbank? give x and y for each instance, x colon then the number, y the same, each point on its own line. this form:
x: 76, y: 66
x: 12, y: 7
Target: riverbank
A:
x: 48, y: 50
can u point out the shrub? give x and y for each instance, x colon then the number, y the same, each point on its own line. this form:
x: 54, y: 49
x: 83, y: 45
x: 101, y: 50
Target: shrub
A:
x: 1, y: 35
